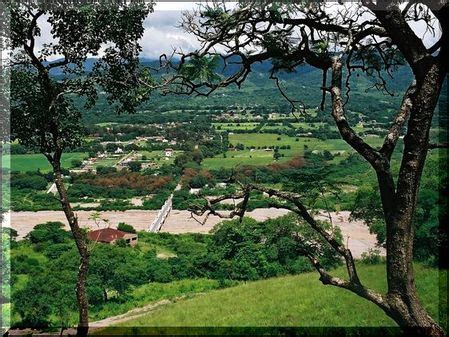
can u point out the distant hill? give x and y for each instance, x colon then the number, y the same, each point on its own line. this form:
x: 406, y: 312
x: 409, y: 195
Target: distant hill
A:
x: 258, y: 90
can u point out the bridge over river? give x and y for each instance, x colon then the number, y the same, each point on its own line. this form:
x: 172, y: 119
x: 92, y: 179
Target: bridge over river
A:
x: 157, y: 223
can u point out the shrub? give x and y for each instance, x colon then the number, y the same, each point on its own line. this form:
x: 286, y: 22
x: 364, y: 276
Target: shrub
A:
x: 106, y: 169
x: 35, y: 182
x: 50, y: 231
x: 134, y: 166
x: 372, y: 256
x: 124, y: 227
x: 76, y: 163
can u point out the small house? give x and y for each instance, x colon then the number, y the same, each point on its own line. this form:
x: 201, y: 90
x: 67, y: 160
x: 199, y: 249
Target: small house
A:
x: 195, y: 191
x: 111, y: 235
x: 168, y: 152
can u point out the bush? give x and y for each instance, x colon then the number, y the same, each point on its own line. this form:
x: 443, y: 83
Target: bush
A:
x: 76, y: 163
x: 124, y: 227
x: 134, y: 166
x: 106, y: 169
x: 372, y: 256
x: 35, y: 182
x: 252, y: 250
x: 51, y: 231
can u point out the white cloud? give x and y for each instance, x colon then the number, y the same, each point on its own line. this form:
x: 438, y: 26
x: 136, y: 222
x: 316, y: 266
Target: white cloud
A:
x: 174, y: 5
x: 163, y: 34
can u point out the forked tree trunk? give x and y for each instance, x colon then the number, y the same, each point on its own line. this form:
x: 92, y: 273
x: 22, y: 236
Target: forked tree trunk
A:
x: 399, y: 203
x: 81, y: 296
x: 407, y: 309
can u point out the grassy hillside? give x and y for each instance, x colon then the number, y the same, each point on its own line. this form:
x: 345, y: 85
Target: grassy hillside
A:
x: 294, y: 301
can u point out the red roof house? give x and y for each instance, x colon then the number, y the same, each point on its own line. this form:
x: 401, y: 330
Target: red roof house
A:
x: 111, y: 235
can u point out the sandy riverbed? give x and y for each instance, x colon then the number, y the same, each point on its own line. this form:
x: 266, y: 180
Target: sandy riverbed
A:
x: 23, y: 222
x: 355, y: 233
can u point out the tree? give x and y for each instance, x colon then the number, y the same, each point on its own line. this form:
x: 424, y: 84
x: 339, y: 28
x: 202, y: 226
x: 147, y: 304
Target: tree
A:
x: 52, y: 231
x: 105, y: 169
x: 44, y: 117
x: 135, y: 166
x: 111, y: 147
x: 76, y: 163
x: 249, y: 249
x: 122, y: 226
x: 240, y: 147
x: 276, y: 154
x: 374, y: 38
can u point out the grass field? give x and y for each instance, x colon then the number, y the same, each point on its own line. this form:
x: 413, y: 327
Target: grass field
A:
x: 137, y: 297
x: 271, y: 139
x: 276, y: 126
x: 295, y: 301
x: 261, y: 157
x: 151, y: 292
x: 235, y: 158
x: 235, y: 126
x: 307, y: 126
x: 106, y: 162
x: 34, y: 162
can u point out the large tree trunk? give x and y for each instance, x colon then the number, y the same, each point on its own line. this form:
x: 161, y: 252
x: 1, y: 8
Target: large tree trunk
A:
x: 399, y: 203
x: 83, y: 324
x: 407, y: 310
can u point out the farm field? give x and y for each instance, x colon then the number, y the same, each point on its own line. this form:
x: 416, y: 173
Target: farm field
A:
x: 34, y: 162
x: 276, y: 126
x: 235, y: 158
x: 262, y: 157
x: 299, y: 300
x: 271, y: 139
x: 106, y: 162
x: 307, y: 126
x: 235, y: 126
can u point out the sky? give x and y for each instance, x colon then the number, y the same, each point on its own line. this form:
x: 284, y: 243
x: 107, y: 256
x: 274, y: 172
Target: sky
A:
x: 162, y: 31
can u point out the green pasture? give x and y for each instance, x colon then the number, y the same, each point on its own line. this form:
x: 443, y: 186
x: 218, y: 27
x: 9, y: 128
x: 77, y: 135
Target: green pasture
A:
x: 271, y: 139
x: 277, y: 126
x: 235, y: 158
x: 235, y: 126
x: 34, y: 162
x: 262, y: 157
x: 106, y: 162
x: 297, y: 301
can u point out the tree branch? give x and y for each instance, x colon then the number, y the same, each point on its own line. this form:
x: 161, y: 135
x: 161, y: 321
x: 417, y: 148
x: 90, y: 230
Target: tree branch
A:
x: 30, y: 36
x: 392, y: 137
x: 294, y: 204
x: 347, y: 133
x: 354, y: 287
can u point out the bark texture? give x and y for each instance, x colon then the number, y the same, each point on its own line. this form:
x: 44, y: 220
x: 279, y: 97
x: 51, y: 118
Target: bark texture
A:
x: 81, y: 296
x: 399, y: 202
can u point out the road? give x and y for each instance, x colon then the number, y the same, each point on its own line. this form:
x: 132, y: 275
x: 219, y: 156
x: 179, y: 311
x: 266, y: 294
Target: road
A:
x: 123, y: 158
